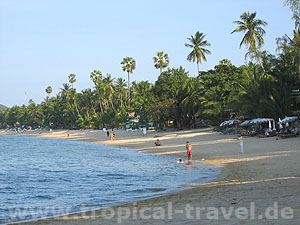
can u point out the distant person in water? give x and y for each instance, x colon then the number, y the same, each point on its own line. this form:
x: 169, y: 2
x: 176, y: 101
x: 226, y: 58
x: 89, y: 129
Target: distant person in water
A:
x: 189, y: 152
x: 157, y: 143
x: 180, y: 161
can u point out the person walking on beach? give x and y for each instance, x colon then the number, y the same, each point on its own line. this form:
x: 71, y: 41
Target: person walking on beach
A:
x: 144, y: 131
x: 111, y: 136
x: 189, y: 152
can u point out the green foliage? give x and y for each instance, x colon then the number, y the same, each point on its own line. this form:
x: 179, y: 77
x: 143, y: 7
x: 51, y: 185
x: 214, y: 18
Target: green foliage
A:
x: 72, y: 79
x: 161, y: 61
x: 48, y: 90
x: 222, y: 89
x: 2, y: 107
x: 227, y: 91
x: 253, y: 38
x: 170, y: 92
x: 129, y: 66
x: 198, y: 46
x: 295, y: 8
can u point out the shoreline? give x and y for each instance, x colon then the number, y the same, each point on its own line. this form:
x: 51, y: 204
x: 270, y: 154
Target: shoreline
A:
x: 253, y: 170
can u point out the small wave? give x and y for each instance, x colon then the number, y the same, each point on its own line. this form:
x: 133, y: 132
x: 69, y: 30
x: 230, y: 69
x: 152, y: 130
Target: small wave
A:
x: 48, y: 197
x: 115, y: 175
x: 65, y: 179
x: 55, y: 171
x: 153, y: 190
x: 43, y: 180
x: 156, y: 189
x: 137, y: 191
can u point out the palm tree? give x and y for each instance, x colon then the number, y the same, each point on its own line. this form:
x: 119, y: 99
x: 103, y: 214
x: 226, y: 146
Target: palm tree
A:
x: 295, y: 8
x: 129, y: 66
x: 48, y: 90
x: 161, y: 61
x: 253, y: 38
x: 65, y: 94
x: 96, y: 76
x: 72, y: 79
x: 109, y: 88
x: 120, y: 85
x: 198, y: 44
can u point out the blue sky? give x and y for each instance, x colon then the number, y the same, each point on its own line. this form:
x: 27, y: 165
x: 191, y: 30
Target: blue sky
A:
x: 42, y: 42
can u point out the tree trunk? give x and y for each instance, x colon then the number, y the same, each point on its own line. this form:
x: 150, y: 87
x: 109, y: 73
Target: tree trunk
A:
x: 101, y: 108
x: 260, y: 62
x: 128, y: 90
x: 121, y: 98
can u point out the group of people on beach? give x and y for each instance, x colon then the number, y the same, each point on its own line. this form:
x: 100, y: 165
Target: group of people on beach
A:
x: 112, y: 135
x: 188, y: 147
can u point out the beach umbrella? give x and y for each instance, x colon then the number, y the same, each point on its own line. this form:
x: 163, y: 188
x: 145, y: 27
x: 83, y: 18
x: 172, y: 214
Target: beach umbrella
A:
x: 229, y: 123
x: 260, y: 120
x: 223, y: 123
x: 245, y: 123
x: 288, y: 119
x: 236, y: 122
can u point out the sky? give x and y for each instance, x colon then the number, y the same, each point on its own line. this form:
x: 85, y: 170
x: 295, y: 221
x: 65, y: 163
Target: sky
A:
x: 42, y: 42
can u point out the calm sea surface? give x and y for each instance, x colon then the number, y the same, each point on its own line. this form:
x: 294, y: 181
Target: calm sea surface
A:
x: 38, y: 174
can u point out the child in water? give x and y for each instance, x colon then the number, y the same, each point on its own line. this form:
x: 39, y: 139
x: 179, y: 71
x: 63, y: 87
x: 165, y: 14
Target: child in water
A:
x: 180, y: 161
x: 157, y: 143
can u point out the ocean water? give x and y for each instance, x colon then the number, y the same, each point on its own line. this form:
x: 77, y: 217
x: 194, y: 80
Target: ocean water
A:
x: 38, y: 175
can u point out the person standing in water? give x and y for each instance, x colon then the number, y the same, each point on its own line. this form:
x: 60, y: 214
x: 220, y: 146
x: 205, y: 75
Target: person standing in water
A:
x: 189, y: 152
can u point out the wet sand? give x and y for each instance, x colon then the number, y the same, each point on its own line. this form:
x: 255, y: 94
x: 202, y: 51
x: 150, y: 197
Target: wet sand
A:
x: 261, y: 186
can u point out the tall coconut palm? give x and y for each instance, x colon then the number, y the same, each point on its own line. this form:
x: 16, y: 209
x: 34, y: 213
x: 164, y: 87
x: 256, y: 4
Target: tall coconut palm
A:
x: 65, y: 94
x: 109, y: 88
x: 96, y: 76
x: 253, y: 38
x: 161, y: 61
x: 197, y: 44
x: 72, y: 79
x: 120, y: 85
x: 129, y: 66
x: 48, y: 90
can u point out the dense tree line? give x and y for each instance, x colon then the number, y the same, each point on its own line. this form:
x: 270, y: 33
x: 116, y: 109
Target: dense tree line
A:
x: 266, y: 86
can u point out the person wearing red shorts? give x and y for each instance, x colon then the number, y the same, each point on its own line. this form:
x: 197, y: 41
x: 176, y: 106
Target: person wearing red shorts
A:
x: 189, y: 152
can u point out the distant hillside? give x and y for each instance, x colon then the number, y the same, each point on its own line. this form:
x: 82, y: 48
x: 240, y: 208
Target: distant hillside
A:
x: 2, y: 107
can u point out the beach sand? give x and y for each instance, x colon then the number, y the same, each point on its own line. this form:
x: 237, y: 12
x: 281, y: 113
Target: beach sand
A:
x: 261, y: 186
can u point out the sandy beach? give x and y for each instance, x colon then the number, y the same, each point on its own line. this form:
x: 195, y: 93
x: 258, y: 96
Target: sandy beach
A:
x: 261, y: 186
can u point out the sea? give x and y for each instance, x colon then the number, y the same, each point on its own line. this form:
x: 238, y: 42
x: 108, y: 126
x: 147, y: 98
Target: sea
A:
x: 39, y: 176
